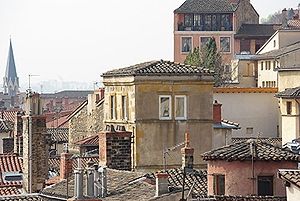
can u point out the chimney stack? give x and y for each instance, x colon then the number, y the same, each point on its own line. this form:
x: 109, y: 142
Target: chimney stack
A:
x: 103, y: 181
x: 65, y: 165
x: 284, y: 18
x: 217, y: 112
x: 187, y: 153
x: 78, y: 186
x: 90, y: 180
x: 162, y: 184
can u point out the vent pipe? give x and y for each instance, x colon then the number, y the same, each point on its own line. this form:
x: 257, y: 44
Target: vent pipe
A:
x: 78, y: 187
x: 103, y: 182
x: 96, y: 180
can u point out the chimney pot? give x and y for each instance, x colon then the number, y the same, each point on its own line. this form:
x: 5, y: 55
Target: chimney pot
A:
x: 65, y: 165
x: 162, y: 184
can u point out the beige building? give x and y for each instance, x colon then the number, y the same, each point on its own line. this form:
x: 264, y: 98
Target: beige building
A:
x: 255, y: 109
x: 267, y: 59
x: 291, y: 180
x: 158, y: 101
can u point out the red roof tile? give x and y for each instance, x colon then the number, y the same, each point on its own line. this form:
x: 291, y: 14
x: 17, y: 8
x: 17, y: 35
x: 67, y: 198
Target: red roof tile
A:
x: 10, y: 163
x: 89, y: 141
x: 9, y: 191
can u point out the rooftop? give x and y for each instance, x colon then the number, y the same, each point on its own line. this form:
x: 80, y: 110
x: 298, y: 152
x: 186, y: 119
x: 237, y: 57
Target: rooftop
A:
x: 244, y: 90
x: 206, y: 6
x: 58, y: 135
x: 256, y: 30
x: 292, y: 176
x: 159, y: 68
x: 289, y: 93
x: 226, y: 124
x: 89, y: 141
x: 245, y: 150
x: 10, y: 163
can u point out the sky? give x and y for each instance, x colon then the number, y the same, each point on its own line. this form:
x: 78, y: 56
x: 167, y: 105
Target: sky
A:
x: 78, y: 40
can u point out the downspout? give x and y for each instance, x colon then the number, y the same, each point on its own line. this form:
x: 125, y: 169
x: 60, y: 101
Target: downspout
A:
x: 30, y: 150
x: 298, y: 115
x: 252, y: 165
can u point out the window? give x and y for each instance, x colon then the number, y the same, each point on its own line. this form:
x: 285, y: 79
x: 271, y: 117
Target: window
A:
x: 265, y: 185
x: 274, y: 43
x: 188, y: 20
x: 262, y: 65
x: 124, y: 107
x: 186, y: 45
x: 227, y: 68
x: 219, y: 184
x: 263, y: 83
x: 274, y: 64
x: 249, y: 131
x: 225, y: 44
x: 288, y: 107
x: 165, y: 107
x: 214, y: 22
x: 207, y: 21
x: 225, y: 23
x: 180, y: 107
x: 112, y: 108
x: 197, y: 20
x: 203, y: 41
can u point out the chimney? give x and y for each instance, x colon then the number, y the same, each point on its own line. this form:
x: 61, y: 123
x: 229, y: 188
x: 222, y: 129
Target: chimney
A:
x: 187, y: 153
x: 65, y: 165
x: 162, y: 184
x: 90, y: 180
x: 284, y: 18
x: 96, y: 179
x: 217, y: 115
x: 78, y: 186
x: 102, y: 90
x: 103, y: 181
x: 18, y: 129
x: 35, y: 148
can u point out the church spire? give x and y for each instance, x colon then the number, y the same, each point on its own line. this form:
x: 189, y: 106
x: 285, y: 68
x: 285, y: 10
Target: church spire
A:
x: 11, y: 80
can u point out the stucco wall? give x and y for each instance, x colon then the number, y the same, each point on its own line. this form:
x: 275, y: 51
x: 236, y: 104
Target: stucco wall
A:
x: 267, y: 75
x: 288, y: 79
x: 251, y: 110
x: 238, y: 175
x: 221, y: 137
x: 152, y: 135
x: 293, y: 193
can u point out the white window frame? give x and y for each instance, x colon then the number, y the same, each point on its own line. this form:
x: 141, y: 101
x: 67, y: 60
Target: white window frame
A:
x: 185, y: 107
x: 170, y: 107
x: 124, y: 107
x: 112, y: 106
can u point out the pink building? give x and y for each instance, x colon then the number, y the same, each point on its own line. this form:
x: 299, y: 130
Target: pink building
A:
x: 248, y: 168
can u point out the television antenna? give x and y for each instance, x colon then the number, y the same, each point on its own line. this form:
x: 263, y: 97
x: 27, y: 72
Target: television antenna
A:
x: 166, y: 152
x: 29, y: 78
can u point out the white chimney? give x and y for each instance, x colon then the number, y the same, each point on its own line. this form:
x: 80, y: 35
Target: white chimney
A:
x: 90, y: 182
x: 78, y: 187
x: 103, y: 181
x: 96, y: 180
x: 162, y: 184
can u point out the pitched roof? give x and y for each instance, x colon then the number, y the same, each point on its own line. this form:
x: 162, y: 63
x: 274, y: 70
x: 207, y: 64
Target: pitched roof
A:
x: 244, y: 198
x: 89, y: 141
x: 10, y: 72
x: 226, y: 124
x: 276, y: 141
x: 206, y: 6
x: 6, y: 126
x: 22, y: 197
x: 289, y: 93
x: 292, y: 176
x: 58, y: 135
x: 279, y: 52
x: 159, y: 68
x: 10, y: 163
x: 68, y: 93
x: 122, y: 185
x: 9, y: 115
x: 256, y: 30
x: 245, y: 150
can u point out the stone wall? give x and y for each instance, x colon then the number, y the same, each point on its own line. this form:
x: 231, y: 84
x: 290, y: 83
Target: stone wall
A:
x: 85, y: 124
x: 115, y: 150
x: 245, y: 14
x: 18, y: 129
x: 39, y: 162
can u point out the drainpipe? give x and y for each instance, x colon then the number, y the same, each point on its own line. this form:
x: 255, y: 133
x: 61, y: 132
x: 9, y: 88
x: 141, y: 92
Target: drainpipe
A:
x: 30, y: 150
x: 298, y: 112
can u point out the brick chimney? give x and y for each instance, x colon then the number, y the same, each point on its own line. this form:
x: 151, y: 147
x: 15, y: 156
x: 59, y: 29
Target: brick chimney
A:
x: 217, y: 112
x: 162, y: 184
x: 187, y: 153
x: 102, y: 90
x: 35, y: 149
x: 115, y: 148
x: 65, y: 165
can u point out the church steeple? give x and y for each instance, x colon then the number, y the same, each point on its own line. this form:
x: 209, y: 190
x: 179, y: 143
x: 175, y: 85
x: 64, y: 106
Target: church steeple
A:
x: 11, y: 80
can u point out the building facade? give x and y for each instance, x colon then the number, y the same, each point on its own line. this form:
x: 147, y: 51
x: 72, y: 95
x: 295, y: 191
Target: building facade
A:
x: 195, y: 21
x: 158, y: 101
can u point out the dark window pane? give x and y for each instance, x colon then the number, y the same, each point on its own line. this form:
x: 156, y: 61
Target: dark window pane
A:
x: 265, y: 185
x: 225, y: 44
x: 207, y: 22
x: 219, y: 184
x: 188, y: 19
x: 186, y: 44
x: 214, y: 22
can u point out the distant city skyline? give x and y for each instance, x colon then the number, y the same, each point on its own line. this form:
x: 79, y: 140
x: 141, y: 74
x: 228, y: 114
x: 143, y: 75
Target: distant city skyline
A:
x: 76, y: 40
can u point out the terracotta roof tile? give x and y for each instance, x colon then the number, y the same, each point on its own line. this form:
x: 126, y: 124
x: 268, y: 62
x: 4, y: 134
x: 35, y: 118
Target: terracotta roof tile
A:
x: 276, y: 141
x: 58, y: 135
x: 242, y: 151
x: 9, y: 191
x: 10, y: 163
x: 292, y: 176
x: 244, y: 198
x: 159, y: 68
x: 89, y: 141
x: 22, y: 197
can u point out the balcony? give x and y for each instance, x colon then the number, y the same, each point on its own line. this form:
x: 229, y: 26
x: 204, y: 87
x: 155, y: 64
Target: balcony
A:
x: 182, y: 27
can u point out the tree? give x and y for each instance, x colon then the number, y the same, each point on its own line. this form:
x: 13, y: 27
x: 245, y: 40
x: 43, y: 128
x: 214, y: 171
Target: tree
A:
x: 209, y: 57
x: 275, y: 18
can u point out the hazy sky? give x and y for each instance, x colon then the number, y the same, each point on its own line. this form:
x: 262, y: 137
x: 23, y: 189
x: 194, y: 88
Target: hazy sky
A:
x: 78, y: 40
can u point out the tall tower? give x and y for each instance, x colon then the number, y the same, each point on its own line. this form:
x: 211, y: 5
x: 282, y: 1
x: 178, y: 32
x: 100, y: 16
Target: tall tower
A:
x: 11, y: 80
